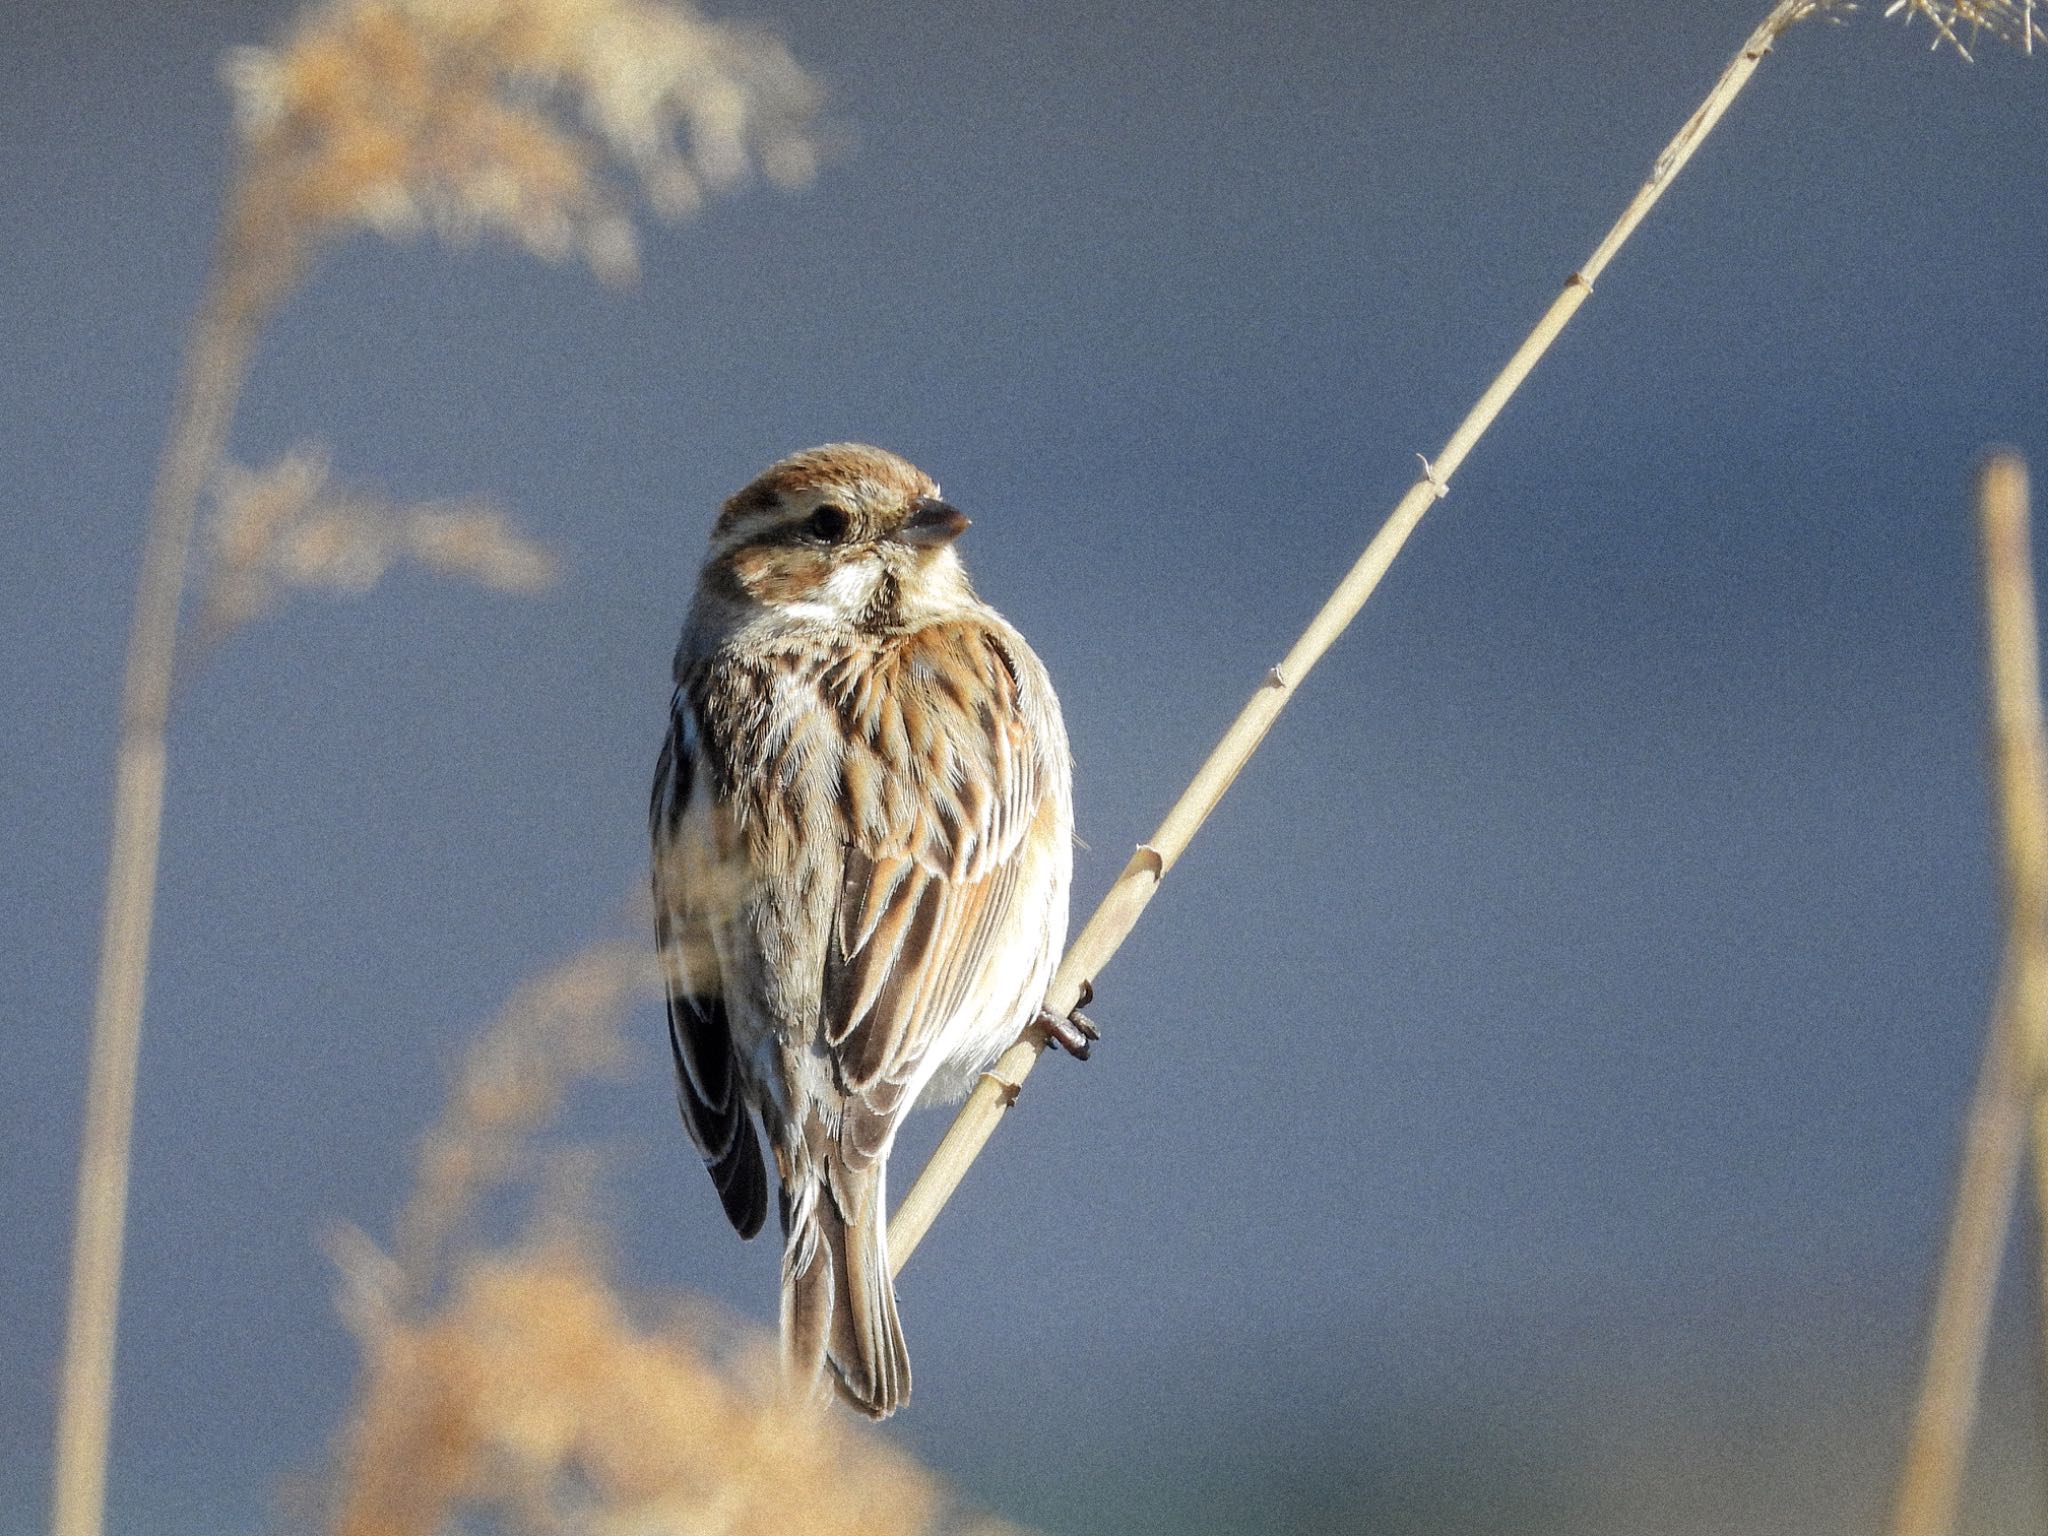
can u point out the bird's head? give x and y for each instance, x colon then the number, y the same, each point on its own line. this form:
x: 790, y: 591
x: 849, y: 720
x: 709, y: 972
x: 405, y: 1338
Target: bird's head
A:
x: 843, y: 534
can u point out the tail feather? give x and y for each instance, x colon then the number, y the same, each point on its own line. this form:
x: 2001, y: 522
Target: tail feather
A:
x: 838, y: 1304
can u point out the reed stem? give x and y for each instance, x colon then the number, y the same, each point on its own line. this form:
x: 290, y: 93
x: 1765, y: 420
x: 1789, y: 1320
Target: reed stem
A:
x: 215, y: 364
x: 1141, y: 877
x: 1959, y: 1330
x: 2019, y: 751
x: 1937, y: 1447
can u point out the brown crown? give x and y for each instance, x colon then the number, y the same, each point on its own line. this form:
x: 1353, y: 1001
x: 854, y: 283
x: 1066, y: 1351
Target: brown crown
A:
x: 873, y: 474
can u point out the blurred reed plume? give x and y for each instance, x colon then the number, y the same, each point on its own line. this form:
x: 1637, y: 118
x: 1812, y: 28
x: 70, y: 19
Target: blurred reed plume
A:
x: 518, y: 1382
x: 534, y: 120
x: 555, y: 1030
x: 530, y: 119
x: 535, y: 1395
x: 293, y: 527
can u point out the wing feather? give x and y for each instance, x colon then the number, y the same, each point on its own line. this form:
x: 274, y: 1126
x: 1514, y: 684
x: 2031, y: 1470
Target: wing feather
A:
x: 940, y: 793
x: 708, y: 1092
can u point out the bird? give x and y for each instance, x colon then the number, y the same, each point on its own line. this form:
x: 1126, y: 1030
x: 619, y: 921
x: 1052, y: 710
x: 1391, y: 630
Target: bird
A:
x: 862, y: 826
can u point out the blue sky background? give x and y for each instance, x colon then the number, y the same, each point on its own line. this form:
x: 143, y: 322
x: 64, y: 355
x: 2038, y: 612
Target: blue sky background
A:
x: 1550, y: 1058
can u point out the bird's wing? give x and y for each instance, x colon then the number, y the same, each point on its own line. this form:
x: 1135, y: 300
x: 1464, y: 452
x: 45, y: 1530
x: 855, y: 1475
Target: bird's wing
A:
x: 708, y: 1089
x: 946, y: 770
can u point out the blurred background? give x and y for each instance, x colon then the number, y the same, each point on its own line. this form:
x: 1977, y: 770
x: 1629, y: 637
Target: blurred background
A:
x: 1531, y: 1105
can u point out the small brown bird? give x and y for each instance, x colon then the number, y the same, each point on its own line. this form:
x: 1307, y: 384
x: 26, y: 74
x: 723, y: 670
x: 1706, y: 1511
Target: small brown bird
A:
x: 862, y: 823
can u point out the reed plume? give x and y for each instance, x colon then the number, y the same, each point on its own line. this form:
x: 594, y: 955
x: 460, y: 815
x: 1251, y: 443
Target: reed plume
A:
x: 1953, y: 19
x: 533, y: 120
x: 294, y: 527
x: 519, y: 1381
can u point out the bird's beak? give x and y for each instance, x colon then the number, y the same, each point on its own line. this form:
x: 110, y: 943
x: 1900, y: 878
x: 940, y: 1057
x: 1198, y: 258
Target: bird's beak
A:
x: 933, y: 524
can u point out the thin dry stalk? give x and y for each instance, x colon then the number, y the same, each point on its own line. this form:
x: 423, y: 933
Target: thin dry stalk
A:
x: 1930, y: 1481
x: 1937, y: 1446
x: 386, y: 115
x: 1148, y: 867
x: 1133, y: 889
x: 216, y: 362
x: 2020, y: 757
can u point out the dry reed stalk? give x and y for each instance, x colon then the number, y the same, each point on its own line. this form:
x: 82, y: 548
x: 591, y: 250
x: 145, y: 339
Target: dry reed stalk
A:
x: 1959, y: 1329
x: 1930, y: 1480
x: 216, y: 360
x: 2020, y: 755
x: 457, y: 116
x: 1133, y: 889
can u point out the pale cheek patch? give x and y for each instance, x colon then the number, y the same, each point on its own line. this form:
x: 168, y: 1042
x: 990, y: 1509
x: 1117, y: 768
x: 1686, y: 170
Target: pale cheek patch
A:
x: 850, y: 586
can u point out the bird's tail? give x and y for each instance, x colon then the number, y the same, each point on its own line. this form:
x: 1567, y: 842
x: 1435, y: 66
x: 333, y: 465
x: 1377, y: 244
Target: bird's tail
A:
x: 838, y: 1302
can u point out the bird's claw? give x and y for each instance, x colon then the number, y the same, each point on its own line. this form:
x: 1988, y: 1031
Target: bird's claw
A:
x: 1076, y: 1034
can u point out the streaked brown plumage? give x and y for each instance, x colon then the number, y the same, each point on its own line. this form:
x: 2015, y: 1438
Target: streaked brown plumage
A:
x: 862, y: 831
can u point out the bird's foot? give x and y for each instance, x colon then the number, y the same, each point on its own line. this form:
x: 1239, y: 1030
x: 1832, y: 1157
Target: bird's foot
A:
x: 1076, y: 1034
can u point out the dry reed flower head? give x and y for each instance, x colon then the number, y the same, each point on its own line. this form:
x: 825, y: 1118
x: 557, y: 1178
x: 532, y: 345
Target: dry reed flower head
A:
x: 554, y: 1030
x: 467, y: 117
x: 534, y: 1393
x: 2008, y: 21
x: 293, y: 526
x: 521, y: 1383
x: 2003, y: 20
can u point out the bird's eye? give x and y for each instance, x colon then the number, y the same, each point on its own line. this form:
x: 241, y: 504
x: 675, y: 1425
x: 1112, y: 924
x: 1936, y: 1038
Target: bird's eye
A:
x: 829, y: 523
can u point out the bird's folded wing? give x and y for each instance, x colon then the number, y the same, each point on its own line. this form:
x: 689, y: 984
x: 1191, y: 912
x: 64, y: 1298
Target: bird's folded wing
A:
x: 700, y: 1035
x: 941, y: 783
